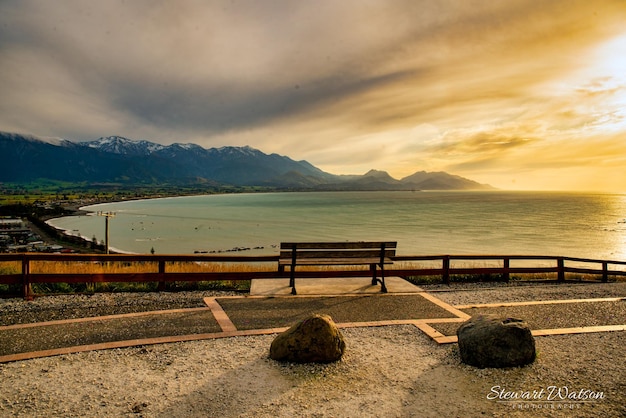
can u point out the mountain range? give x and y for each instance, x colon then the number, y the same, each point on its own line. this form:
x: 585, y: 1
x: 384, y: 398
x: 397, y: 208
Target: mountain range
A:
x: 119, y: 160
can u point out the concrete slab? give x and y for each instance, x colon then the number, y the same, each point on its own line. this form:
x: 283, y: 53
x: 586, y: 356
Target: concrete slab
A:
x: 329, y: 287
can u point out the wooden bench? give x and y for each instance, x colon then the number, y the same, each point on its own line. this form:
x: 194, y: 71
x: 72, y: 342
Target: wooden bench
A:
x: 374, y: 254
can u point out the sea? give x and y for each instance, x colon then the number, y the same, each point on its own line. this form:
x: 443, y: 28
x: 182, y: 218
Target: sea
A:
x: 422, y: 222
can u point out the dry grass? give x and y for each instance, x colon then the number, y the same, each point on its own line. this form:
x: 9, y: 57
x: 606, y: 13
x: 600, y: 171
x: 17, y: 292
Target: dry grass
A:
x: 55, y: 267
x: 10, y: 267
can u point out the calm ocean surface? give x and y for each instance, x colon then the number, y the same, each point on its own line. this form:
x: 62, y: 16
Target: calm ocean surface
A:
x: 423, y: 223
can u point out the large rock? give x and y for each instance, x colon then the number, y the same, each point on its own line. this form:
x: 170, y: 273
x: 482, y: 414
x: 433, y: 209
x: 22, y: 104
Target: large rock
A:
x: 313, y: 340
x: 492, y: 341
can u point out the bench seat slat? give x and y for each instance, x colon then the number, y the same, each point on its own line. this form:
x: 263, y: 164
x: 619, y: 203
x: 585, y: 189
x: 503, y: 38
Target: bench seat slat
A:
x: 301, y: 255
x: 334, y: 261
x: 337, y: 245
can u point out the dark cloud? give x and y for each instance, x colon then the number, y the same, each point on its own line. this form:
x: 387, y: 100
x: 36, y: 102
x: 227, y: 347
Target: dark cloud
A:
x: 282, y: 75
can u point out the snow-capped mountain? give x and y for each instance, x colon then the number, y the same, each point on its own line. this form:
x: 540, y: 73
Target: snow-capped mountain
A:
x: 120, y: 160
x: 121, y: 145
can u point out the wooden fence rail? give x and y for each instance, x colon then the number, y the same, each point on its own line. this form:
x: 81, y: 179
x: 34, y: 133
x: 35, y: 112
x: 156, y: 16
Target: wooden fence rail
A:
x: 446, y: 266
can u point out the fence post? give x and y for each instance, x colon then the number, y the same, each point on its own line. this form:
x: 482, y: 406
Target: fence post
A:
x: 27, y: 290
x: 446, y: 269
x: 161, y: 286
x: 605, y: 271
x: 506, y: 265
x: 561, y: 269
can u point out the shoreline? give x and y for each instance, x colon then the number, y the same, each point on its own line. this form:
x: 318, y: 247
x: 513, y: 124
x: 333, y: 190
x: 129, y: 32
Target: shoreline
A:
x: 266, y: 220
x: 80, y: 209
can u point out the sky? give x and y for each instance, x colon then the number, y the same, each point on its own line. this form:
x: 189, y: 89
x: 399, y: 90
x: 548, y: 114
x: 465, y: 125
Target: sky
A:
x: 519, y: 94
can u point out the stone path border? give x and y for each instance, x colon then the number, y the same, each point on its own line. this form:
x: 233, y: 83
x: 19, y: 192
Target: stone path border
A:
x: 229, y: 329
x: 537, y: 302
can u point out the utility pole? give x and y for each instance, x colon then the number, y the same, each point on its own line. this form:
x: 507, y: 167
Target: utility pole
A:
x: 106, y: 215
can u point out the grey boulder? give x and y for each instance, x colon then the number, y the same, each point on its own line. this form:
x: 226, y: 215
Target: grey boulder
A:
x: 492, y: 341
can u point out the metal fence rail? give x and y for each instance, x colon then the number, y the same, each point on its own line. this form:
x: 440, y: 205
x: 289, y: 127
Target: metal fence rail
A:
x: 444, y: 266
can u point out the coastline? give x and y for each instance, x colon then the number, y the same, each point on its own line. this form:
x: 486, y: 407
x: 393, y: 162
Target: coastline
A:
x: 433, y: 223
x: 64, y: 239
x: 78, y: 209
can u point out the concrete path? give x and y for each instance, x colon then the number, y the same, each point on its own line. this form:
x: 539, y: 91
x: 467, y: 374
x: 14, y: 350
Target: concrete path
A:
x: 330, y: 287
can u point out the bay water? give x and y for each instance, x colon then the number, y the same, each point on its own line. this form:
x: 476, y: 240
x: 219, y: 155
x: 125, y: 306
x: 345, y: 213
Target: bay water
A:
x: 423, y: 223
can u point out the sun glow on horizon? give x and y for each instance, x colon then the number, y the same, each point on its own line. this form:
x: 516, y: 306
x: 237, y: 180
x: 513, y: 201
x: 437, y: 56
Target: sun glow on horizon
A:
x: 518, y: 94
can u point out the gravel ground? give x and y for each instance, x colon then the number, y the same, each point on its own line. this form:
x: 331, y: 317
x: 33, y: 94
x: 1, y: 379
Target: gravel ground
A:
x: 393, y: 371
x: 48, y: 308
x: 479, y: 293
x: 24, y: 340
x: 540, y: 317
x: 248, y: 313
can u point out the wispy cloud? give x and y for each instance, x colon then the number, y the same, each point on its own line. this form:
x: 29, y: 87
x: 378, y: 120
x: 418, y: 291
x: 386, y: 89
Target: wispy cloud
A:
x: 476, y: 86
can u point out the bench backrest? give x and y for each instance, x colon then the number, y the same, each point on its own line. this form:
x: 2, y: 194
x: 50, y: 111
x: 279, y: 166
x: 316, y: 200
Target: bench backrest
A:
x: 365, y: 249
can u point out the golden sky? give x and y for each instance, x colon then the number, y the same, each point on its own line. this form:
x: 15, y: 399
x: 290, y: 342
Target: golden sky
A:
x: 519, y: 94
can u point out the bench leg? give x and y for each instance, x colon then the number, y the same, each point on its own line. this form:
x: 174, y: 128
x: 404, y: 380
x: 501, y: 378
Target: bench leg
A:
x: 383, y: 288
x: 292, y: 280
x: 373, y: 270
x: 376, y: 280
